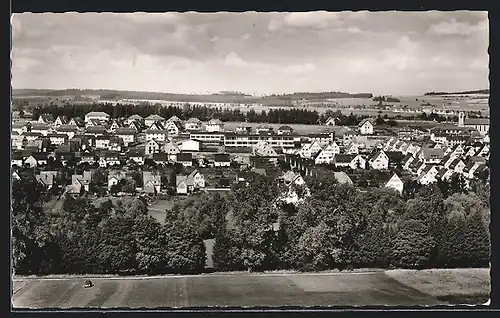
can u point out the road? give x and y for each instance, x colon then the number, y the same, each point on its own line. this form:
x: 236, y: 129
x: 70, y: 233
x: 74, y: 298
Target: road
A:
x: 241, y: 290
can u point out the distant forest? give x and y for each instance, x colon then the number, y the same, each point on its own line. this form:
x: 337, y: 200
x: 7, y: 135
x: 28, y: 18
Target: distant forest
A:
x: 481, y: 91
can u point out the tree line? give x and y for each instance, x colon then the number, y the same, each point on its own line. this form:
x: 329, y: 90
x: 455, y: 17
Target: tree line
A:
x: 336, y: 227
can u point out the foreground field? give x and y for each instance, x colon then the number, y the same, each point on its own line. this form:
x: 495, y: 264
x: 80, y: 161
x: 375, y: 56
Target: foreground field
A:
x: 455, y: 285
x: 243, y: 290
x: 157, y: 209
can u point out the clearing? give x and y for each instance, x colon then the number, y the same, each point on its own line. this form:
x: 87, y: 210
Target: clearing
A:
x: 157, y: 209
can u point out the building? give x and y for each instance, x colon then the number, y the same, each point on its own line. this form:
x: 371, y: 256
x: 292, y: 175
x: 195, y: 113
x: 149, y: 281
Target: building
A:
x: 395, y: 183
x: 151, y: 182
x: 482, y: 125
x: 428, y: 175
x: 190, y: 145
x: 41, y: 128
x: 214, y: 125
x: 46, y: 178
x: 69, y: 130
x: 185, y: 159
x: 250, y: 140
x: 285, y: 130
x: 222, y: 160
x: 330, y: 121
x: 96, y: 130
x: 158, y: 135
x: 187, y: 184
x: 151, y: 147
x: 133, y: 118
x: 380, y: 161
x: 171, y: 150
x: 193, y: 124
x: 208, y: 138
x: 351, y: 161
x: 101, y: 117
x: 46, y: 119
x: 61, y: 120
x: 126, y: 134
x: 431, y: 155
x: 366, y: 127
x: 136, y: 155
x: 173, y: 128
x: 151, y: 119
x: 57, y: 139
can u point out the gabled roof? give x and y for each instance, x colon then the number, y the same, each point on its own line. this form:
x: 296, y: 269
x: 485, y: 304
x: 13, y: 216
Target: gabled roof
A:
x: 285, y: 127
x: 433, y: 153
x: 97, y: 114
x: 47, y: 117
x: 215, y: 121
x: 364, y: 121
x: 148, y: 176
x: 193, y: 120
x: 477, y: 121
x: 125, y: 131
x: 344, y: 158
x: 442, y: 172
x: 378, y: 154
x: 160, y: 156
x: 95, y: 129
x: 455, y: 162
x: 67, y: 128
x: 184, y: 156
x: 135, y: 117
x: 39, y: 126
x: 407, y: 158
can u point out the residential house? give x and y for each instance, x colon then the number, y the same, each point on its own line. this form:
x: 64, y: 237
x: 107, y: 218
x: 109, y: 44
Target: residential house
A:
x: 39, y: 145
x: 158, y: 135
x: 185, y: 159
x: 46, y: 119
x: 310, y: 150
x: 93, y: 123
x: 484, y: 151
x: 99, y: 116
x: 327, y: 154
x: 126, y: 134
x: 447, y: 160
x: 262, y: 148
x: 352, y: 149
x: 151, y: 147
x: 293, y: 180
x: 264, y: 129
x: 151, y: 182
x: 20, y: 128
x: 431, y: 155
x: 64, y: 157
x: 137, y: 125
x: 36, y: 159
x: 61, y: 120
x: 160, y: 158
x: 88, y: 157
x: 342, y: 177
x: 46, y: 178
x: 18, y: 141
x: 407, y: 160
x: 58, y: 139
x: 457, y: 165
x: 457, y: 140
x: 214, y: 125
x: 444, y: 174
x: 347, y: 137
x: 133, y: 118
x: 470, y: 151
x: 428, y: 175
x: 77, y: 122
x: 68, y: 130
x: 366, y: 127
x: 136, y: 155
x: 41, y: 128
x: 171, y: 150
x: 112, y: 158
x: 156, y: 126
x: 96, y: 130
x: 190, y: 145
x: 84, y: 180
x: 114, y: 178
x: 187, y: 184
x: 395, y: 158
x: 30, y: 136
x: 173, y: 128
x: 17, y: 158
x: 174, y: 119
x: 244, y: 129
x: 395, y: 183
x: 285, y: 130
x: 222, y: 160
x: 193, y: 124
x: 153, y: 119
x: 330, y: 121
x: 115, y: 143
x: 102, y: 142
x: 352, y: 161
x: 379, y: 161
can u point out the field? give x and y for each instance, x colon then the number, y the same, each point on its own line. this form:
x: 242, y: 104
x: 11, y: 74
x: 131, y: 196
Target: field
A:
x: 157, y: 209
x: 248, y: 290
x: 448, y: 284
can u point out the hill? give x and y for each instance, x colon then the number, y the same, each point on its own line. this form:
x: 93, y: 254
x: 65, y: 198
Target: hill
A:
x: 481, y: 91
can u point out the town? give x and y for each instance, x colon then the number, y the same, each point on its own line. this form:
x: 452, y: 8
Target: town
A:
x: 115, y: 145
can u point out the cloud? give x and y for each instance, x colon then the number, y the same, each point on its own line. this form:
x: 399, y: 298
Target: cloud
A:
x: 300, y: 69
x: 233, y: 59
x: 315, y: 20
x: 453, y: 27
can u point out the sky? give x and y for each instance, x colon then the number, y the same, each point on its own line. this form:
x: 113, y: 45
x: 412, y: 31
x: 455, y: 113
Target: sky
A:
x: 398, y: 53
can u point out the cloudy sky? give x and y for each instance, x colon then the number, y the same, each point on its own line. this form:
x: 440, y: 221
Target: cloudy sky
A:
x: 382, y: 53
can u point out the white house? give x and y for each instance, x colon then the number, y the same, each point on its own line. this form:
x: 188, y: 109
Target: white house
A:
x: 214, y: 125
x: 262, y: 148
x: 158, y: 135
x: 190, y: 145
x: 136, y: 155
x: 112, y: 158
x: 193, y: 124
x: 152, y: 119
x: 379, y: 161
x: 431, y: 155
x: 366, y: 127
x: 428, y: 175
x: 68, y: 130
x: 151, y: 147
x: 310, y: 150
x: 186, y: 184
x: 330, y: 121
x: 352, y: 149
x: 185, y: 159
x: 126, y: 134
x: 292, y: 180
x: 57, y: 139
x: 327, y: 154
x: 395, y: 183
x: 444, y: 174
x: 100, y: 116
x: 457, y: 165
x: 60, y: 120
x: 352, y: 161
x: 102, y: 142
x: 173, y: 128
x: 171, y: 150
x: 41, y: 128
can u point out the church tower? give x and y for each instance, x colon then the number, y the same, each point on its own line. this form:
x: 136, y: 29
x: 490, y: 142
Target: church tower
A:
x: 461, y: 119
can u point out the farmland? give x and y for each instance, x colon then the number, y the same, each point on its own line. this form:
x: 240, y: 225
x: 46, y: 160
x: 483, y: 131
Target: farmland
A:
x: 247, y: 290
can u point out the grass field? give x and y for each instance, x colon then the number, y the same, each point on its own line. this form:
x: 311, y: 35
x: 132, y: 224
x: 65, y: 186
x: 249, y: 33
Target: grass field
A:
x: 157, y: 209
x: 246, y: 290
x: 455, y: 285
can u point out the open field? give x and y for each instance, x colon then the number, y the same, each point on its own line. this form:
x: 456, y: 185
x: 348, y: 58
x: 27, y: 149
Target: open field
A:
x: 246, y: 290
x: 157, y: 209
x: 460, y: 285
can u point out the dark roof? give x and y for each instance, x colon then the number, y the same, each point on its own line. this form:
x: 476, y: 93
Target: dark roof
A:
x: 344, y: 158
x: 125, y: 131
x: 95, y: 129
x: 135, y: 152
x: 477, y: 121
x: 161, y: 156
x: 222, y: 157
x: 364, y: 121
x: 184, y: 156
x: 394, y: 156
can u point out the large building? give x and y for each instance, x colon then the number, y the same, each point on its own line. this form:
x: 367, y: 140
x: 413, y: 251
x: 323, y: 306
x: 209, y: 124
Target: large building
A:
x: 482, y: 125
x: 100, y: 116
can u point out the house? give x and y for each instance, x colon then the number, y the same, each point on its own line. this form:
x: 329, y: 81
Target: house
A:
x: 291, y: 180
x: 431, y: 155
x: 190, y: 145
x: 64, y: 156
x: 136, y: 125
x: 222, y: 160
x: 352, y: 161
x: 133, y: 118
x: 395, y: 158
x: 160, y: 158
x: 46, y: 119
x: 152, y: 119
x: 61, y: 120
x: 352, y: 149
x: 58, y: 139
x: 330, y: 121
x: 77, y: 187
x: 93, y: 123
x: 262, y: 148
x: 20, y: 128
x: 18, y: 141
x: 244, y: 129
x: 151, y: 147
x: 264, y: 129
x: 327, y: 154
x: 484, y: 151
x: 39, y: 145
x: 126, y: 134
x: 457, y: 165
x: 174, y: 119
x: 310, y: 150
x: 36, y: 159
x: 102, y: 162
x: 342, y: 177
x: 185, y: 159
x: 447, y: 160
x: 214, y: 125
x: 347, y: 137
x: 115, y: 143
x: 30, y: 136
x: 46, y: 178
x: 87, y: 157
x: 112, y: 158
x: 193, y: 124
x: 136, y: 155
x: 173, y: 128
x: 114, y: 178
x: 77, y: 122
x: 84, y: 179
x: 444, y: 174
x: 366, y: 127
x: 470, y: 151
x: 187, y: 184
x: 285, y: 130
x: 151, y: 182
x: 96, y: 130
x: 98, y: 116
x: 407, y: 160
x: 428, y: 175
x: 171, y: 150
x: 158, y: 135
x: 17, y: 159
x: 115, y: 125
x: 395, y: 183
x: 41, y: 128
x: 156, y: 126
x: 68, y: 130
x: 102, y: 142
x: 379, y: 161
